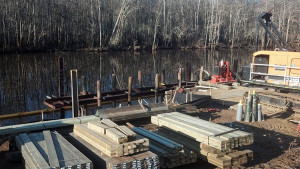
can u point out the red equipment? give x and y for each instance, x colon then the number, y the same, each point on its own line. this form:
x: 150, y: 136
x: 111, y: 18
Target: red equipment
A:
x: 222, y: 73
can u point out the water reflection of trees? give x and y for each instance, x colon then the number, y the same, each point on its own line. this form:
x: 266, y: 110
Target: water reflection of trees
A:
x: 26, y: 79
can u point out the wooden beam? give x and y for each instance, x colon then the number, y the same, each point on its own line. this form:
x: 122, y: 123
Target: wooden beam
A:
x: 52, y: 156
x: 116, y: 135
x: 109, y: 123
x: 39, y: 161
x: 97, y: 126
x: 129, y: 133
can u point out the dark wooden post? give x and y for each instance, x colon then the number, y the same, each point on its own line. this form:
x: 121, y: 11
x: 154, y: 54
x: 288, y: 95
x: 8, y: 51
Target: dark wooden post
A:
x: 235, y: 66
x: 188, y: 72
x: 129, y: 90
x: 98, y: 93
x: 83, y: 85
x: 114, y: 86
x: 114, y: 82
x: 61, y: 83
x: 61, y: 76
x: 183, y: 78
x: 163, y: 76
x: 140, y: 78
x: 140, y: 82
x: 74, y: 92
x: 62, y: 113
x: 179, y: 77
x: 156, y: 87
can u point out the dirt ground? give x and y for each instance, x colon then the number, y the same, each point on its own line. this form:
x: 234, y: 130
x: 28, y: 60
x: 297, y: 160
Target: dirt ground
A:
x: 276, y: 145
x: 276, y: 140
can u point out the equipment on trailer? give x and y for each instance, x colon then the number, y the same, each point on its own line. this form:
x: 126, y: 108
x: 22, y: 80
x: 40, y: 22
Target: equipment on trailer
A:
x: 279, y: 68
x: 222, y: 73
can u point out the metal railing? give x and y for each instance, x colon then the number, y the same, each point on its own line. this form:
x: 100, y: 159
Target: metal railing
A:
x: 278, y: 67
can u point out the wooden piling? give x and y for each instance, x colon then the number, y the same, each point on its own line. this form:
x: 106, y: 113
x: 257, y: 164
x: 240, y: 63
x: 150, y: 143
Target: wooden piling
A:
x: 201, y: 75
x: 83, y: 85
x: 61, y: 76
x: 140, y: 78
x: 61, y: 82
x: 188, y: 72
x: 74, y: 92
x: 163, y: 82
x: 235, y: 66
x: 114, y: 82
x: 179, y: 77
x: 162, y: 76
x: 129, y: 90
x: 140, y: 82
x: 98, y: 93
x: 62, y: 113
x: 156, y: 87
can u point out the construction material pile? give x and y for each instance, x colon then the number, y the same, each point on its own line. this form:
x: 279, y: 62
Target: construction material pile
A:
x: 50, y: 150
x: 212, y: 142
x: 171, y: 154
x: 119, y: 143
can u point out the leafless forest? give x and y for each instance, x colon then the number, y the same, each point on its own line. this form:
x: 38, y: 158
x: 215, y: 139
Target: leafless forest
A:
x: 29, y: 25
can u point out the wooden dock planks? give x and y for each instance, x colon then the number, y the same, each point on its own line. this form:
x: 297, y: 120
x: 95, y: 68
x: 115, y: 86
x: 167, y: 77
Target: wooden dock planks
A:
x: 51, y: 151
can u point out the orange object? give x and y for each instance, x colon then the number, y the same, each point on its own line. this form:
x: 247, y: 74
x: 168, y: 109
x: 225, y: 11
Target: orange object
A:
x: 224, y: 75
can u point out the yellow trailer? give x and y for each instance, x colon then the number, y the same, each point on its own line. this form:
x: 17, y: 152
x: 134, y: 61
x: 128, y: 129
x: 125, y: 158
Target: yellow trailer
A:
x: 276, y: 67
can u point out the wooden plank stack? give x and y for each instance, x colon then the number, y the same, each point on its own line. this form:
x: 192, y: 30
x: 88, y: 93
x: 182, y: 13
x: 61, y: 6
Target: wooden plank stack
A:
x: 171, y: 154
x: 111, y: 139
x: 142, y: 160
x: 50, y: 150
x: 211, y: 142
x: 215, y: 135
x: 118, y: 145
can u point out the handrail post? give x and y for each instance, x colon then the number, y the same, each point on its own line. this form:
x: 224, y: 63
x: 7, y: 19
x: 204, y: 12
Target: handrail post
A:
x: 284, y: 78
x: 250, y: 71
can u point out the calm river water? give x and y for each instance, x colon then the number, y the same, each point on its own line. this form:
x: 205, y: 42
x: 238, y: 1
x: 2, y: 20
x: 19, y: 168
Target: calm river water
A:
x: 26, y: 79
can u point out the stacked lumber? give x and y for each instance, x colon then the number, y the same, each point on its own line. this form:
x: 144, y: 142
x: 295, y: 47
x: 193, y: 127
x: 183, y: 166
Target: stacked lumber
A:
x: 171, y: 154
x: 142, y: 160
x: 111, y: 139
x: 215, y: 135
x: 207, y: 153
x: 212, y: 142
x: 117, y: 145
x: 50, y: 150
